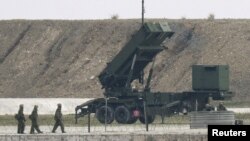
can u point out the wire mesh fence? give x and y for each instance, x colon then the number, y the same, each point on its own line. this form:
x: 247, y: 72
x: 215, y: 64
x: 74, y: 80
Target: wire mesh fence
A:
x: 9, y: 125
x: 172, y: 124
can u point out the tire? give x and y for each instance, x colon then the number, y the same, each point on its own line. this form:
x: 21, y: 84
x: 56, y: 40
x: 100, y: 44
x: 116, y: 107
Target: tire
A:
x: 100, y: 114
x: 132, y: 120
x: 122, y: 114
x: 150, y: 118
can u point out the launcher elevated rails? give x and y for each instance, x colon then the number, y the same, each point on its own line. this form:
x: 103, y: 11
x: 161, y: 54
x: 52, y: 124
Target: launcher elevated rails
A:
x: 130, y: 62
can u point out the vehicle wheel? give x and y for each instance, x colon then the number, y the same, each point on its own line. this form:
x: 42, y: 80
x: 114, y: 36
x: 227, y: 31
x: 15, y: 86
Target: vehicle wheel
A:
x: 150, y: 118
x: 122, y: 114
x: 100, y: 114
x: 132, y: 120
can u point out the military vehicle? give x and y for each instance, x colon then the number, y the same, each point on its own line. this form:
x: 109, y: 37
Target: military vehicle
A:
x: 126, y: 105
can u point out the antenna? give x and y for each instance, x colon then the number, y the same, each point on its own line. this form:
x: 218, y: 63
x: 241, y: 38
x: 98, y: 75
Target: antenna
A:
x: 142, y: 13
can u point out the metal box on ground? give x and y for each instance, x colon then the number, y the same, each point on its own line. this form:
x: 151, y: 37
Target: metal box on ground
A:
x: 210, y: 77
x: 204, y: 118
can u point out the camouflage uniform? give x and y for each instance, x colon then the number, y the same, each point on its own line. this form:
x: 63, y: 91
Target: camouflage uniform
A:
x: 33, y: 117
x: 209, y: 107
x: 21, y: 120
x: 58, y: 119
x: 221, y: 107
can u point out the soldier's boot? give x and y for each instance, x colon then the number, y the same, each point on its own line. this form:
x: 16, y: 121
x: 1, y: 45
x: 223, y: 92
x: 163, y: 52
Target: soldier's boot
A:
x: 32, y: 129
x: 37, y: 129
x: 22, y: 129
x: 62, y: 128
x: 54, y: 128
x: 19, y: 128
x: 63, y: 131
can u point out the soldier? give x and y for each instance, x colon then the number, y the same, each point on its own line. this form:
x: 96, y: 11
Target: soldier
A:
x: 21, y: 120
x: 221, y: 107
x: 209, y: 107
x: 58, y: 119
x: 33, y: 117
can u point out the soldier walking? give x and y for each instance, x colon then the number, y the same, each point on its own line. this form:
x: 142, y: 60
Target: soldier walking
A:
x: 34, y: 117
x: 58, y: 119
x: 21, y: 120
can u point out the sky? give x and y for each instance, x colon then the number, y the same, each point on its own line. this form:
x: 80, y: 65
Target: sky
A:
x: 125, y: 9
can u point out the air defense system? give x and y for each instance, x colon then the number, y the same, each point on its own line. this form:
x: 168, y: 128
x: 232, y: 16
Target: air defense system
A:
x: 126, y: 105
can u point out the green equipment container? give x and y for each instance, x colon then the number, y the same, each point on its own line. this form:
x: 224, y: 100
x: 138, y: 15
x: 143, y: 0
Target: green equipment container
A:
x: 210, y: 77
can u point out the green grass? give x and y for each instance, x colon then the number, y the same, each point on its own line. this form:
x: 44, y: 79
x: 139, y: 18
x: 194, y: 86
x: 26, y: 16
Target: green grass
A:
x: 176, y: 119
x: 243, y: 116
x: 231, y: 104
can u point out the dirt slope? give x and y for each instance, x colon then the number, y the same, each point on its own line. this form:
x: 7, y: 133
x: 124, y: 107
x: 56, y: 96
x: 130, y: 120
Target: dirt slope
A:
x: 63, y: 58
